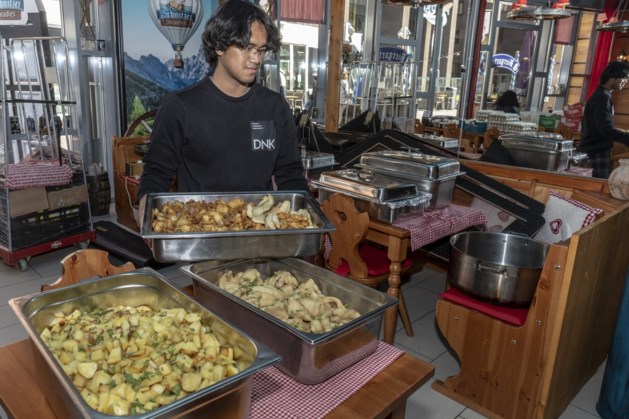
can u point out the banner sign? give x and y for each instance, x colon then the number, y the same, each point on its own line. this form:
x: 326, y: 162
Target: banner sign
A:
x: 12, y: 12
x: 507, y: 62
x: 392, y: 54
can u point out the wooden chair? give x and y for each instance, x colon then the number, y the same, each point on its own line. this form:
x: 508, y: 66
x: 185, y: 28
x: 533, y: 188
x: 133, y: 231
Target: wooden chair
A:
x: 490, y: 136
x: 352, y: 257
x: 86, y: 264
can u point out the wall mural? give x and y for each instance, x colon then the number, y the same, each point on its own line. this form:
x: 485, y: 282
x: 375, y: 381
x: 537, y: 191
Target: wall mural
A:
x: 162, y: 49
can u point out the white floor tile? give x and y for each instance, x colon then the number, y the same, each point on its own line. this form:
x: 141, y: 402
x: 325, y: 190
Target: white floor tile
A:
x: 12, y: 334
x: 588, y: 396
x: 426, y: 403
x: 573, y: 412
x: 7, y: 317
x: 425, y: 340
x: 446, y: 365
x: 470, y: 414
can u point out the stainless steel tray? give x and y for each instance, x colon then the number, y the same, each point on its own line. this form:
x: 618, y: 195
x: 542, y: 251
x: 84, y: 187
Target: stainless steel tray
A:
x: 226, y: 398
x: 419, y: 164
x: 538, y: 152
x: 439, y: 141
x: 228, y: 245
x: 309, y: 358
x: 387, y: 212
x: 538, y: 142
x: 368, y: 185
x: 317, y: 160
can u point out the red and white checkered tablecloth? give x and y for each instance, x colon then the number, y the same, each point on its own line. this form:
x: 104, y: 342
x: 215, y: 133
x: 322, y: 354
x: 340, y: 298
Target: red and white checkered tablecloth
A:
x: 275, y: 395
x: 433, y: 225
x: 440, y: 223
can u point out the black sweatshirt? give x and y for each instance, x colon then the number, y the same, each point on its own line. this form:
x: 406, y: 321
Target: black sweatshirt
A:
x: 217, y: 143
x: 597, y: 130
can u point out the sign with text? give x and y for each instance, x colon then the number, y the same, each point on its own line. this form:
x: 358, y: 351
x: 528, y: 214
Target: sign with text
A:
x: 12, y: 12
x: 392, y: 54
x: 507, y: 62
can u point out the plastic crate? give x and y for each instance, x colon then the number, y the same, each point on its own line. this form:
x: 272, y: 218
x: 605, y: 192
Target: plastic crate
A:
x: 43, y: 226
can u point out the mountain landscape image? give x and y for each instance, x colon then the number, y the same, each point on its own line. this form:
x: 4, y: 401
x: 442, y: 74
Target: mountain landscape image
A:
x: 147, y: 79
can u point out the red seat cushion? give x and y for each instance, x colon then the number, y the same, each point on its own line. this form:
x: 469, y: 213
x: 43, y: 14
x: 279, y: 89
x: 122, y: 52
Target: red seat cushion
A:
x: 376, y: 259
x: 515, y: 316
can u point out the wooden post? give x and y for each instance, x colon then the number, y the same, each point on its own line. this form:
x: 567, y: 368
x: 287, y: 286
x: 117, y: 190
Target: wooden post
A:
x: 337, y: 13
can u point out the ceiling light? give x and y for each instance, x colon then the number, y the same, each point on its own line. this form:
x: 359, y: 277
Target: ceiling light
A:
x: 538, y: 13
x: 622, y: 27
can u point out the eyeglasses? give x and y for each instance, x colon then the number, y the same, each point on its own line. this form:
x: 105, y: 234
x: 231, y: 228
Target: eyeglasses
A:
x: 263, y: 53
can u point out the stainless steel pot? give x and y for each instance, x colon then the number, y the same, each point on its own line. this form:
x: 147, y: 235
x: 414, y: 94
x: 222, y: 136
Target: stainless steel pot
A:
x: 496, y: 267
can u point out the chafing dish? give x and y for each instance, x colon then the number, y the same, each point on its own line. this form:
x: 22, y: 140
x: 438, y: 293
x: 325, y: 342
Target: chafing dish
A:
x: 382, y: 197
x: 448, y: 143
x: 544, y: 151
x: 227, y: 245
x: 432, y: 174
x: 227, y: 398
x: 308, y: 357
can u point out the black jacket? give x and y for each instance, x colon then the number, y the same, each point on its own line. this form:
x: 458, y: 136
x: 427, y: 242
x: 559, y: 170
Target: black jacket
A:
x: 597, y: 127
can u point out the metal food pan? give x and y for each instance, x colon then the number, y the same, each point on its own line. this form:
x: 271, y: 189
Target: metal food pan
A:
x: 387, y: 212
x: 308, y: 357
x: 229, y: 245
x: 228, y: 398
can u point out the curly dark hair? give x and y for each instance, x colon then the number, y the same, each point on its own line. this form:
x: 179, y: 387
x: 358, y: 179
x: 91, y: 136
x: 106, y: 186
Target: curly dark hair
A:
x: 615, y: 70
x: 231, y: 26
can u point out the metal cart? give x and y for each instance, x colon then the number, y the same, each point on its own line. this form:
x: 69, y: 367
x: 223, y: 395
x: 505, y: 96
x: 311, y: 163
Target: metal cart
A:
x: 43, y: 191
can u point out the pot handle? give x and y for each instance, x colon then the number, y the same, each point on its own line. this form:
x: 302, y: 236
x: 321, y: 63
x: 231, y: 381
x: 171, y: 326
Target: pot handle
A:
x: 490, y: 269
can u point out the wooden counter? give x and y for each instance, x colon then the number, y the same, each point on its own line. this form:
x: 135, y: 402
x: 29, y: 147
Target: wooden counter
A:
x: 384, y: 396
x: 535, y: 370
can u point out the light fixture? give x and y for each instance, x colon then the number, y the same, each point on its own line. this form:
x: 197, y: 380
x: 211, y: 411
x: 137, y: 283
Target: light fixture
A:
x: 520, y: 10
x: 622, y: 56
x: 613, y: 25
x: 621, y: 27
x: 414, y: 3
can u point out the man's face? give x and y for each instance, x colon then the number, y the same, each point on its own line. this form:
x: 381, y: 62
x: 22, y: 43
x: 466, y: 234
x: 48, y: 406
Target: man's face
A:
x: 619, y: 83
x: 240, y: 65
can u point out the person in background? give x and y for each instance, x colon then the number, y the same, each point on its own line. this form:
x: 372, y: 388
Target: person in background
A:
x: 345, y: 96
x: 597, y: 126
x: 507, y: 102
x: 227, y: 132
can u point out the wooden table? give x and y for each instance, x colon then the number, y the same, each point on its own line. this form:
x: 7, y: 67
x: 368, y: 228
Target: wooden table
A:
x: 384, y: 396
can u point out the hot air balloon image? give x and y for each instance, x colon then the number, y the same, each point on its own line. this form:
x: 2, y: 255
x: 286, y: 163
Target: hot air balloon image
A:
x: 177, y: 20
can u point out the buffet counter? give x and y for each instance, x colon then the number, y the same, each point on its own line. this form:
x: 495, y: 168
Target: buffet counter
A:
x: 383, y: 383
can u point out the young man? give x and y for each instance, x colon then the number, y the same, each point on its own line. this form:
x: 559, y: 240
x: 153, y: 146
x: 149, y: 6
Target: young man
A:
x: 227, y: 132
x: 597, y: 130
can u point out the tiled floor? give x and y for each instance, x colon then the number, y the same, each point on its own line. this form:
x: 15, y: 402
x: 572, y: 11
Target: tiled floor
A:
x: 421, y: 293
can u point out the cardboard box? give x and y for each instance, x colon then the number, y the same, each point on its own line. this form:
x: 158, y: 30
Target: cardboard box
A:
x: 134, y: 169
x: 67, y: 197
x: 26, y: 201
x: 573, y: 124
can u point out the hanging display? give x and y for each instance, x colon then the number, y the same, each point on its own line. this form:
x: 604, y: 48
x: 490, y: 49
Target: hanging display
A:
x: 177, y: 21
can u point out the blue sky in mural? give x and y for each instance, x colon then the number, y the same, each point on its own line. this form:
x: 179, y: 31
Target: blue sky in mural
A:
x: 141, y: 36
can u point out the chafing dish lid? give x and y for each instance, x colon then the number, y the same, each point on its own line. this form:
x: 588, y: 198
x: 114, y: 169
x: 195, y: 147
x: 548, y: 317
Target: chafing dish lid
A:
x: 537, y: 142
x: 441, y: 141
x: 365, y: 183
x: 411, y: 162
